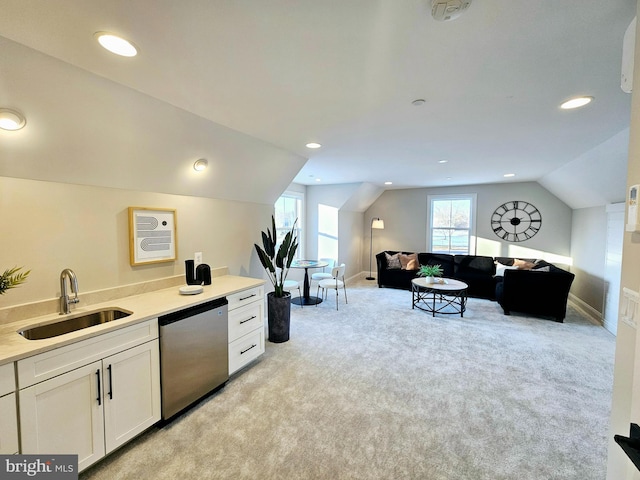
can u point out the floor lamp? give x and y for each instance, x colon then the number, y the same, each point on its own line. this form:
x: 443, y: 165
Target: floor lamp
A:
x: 378, y: 225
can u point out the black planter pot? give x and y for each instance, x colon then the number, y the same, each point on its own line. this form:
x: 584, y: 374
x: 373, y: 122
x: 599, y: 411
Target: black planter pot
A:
x: 279, y: 317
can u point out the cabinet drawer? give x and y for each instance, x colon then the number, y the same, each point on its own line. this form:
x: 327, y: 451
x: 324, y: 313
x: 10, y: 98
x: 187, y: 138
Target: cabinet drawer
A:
x: 245, y: 349
x: 7, y: 379
x: 245, y: 319
x: 245, y: 297
x: 55, y: 362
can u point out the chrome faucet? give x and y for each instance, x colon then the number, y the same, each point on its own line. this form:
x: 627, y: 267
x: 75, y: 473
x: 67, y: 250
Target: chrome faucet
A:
x: 65, y: 301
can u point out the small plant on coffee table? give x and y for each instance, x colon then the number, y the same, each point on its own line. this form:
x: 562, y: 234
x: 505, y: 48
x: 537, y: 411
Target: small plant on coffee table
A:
x: 430, y: 271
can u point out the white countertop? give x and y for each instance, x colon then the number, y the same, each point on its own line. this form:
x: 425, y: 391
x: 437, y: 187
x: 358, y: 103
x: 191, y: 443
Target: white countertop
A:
x: 14, y: 346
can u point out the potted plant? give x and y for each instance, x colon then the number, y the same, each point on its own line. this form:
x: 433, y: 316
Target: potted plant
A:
x: 277, y: 264
x: 430, y: 271
x: 11, y: 278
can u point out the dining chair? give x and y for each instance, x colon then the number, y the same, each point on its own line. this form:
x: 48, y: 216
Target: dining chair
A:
x: 289, y: 285
x: 324, y: 275
x: 336, y: 282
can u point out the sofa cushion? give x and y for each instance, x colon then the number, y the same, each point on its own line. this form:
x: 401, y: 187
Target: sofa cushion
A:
x: 393, y: 261
x: 510, y: 260
x: 406, y: 260
x: 477, y: 272
x: 500, y: 268
x: 523, y: 264
x: 445, y: 261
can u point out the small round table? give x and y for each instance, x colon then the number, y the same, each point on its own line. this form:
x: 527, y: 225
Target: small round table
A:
x: 451, y: 296
x: 306, y: 298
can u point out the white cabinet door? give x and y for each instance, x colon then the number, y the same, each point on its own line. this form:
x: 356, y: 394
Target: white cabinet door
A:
x: 64, y: 415
x: 8, y: 425
x: 131, y: 393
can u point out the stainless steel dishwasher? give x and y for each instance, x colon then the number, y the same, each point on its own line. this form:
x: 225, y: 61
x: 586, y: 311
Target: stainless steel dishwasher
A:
x: 194, y: 354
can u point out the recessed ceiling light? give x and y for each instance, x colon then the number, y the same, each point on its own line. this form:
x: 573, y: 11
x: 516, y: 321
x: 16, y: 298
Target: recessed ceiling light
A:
x: 419, y: 102
x: 576, y: 102
x: 313, y: 145
x: 388, y: 183
x: 200, y: 164
x: 11, y: 119
x: 318, y: 179
x: 506, y: 175
x: 116, y: 44
x: 443, y: 161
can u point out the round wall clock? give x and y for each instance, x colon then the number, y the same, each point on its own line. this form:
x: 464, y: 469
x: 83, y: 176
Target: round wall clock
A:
x: 516, y: 221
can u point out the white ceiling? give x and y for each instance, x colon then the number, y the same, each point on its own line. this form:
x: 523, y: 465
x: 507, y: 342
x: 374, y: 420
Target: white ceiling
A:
x: 344, y: 73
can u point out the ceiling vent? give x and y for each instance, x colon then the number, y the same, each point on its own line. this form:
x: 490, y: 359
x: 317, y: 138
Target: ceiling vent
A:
x: 445, y: 10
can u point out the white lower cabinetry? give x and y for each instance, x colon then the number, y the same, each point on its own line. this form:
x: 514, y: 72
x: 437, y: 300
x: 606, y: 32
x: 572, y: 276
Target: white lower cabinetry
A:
x: 8, y: 414
x: 246, y: 327
x: 96, y: 407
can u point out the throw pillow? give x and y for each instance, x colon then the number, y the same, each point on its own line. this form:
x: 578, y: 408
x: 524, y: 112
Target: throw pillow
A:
x: 413, y: 265
x: 523, y: 264
x: 500, y: 268
x: 393, y: 261
x: 405, y: 259
x: 542, y: 269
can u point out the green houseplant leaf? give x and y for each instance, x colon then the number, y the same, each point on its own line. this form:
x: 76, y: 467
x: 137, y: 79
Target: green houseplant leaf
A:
x: 430, y: 271
x: 277, y: 264
x: 11, y: 278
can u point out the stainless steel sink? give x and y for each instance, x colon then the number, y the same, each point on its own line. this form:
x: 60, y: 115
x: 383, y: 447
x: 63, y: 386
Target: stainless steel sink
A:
x: 71, y: 324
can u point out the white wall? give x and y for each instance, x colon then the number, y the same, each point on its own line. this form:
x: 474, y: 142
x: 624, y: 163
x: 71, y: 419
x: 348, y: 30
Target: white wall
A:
x: 405, y: 219
x: 350, y: 243
x: 50, y: 226
x: 349, y: 223
x: 625, y: 406
x: 588, y: 247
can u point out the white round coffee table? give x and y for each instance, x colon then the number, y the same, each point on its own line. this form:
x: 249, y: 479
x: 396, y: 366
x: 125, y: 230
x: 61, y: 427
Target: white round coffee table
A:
x: 447, y: 296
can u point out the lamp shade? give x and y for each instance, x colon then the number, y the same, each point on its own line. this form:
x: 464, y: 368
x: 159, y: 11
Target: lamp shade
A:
x: 377, y: 223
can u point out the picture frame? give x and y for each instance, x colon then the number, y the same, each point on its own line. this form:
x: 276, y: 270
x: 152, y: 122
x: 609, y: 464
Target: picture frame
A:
x: 152, y: 235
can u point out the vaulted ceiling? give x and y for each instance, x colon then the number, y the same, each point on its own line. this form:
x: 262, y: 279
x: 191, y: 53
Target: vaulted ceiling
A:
x: 342, y: 73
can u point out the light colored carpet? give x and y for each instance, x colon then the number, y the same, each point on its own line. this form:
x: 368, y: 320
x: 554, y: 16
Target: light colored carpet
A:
x: 377, y: 390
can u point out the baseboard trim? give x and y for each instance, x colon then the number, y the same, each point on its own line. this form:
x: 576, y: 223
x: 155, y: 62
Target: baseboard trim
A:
x: 587, y: 310
x: 364, y: 275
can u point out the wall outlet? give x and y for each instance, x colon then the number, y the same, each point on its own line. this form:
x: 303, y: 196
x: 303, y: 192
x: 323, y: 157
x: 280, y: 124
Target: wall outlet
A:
x: 197, y: 258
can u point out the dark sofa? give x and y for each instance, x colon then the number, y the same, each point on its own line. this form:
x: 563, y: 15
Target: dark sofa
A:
x: 536, y: 292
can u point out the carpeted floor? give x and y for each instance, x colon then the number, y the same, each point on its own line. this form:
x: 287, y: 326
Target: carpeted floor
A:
x: 377, y: 390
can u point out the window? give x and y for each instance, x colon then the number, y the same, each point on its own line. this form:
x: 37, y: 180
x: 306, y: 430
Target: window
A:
x: 288, y: 208
x: 327, y: 232
x: 451, y: 224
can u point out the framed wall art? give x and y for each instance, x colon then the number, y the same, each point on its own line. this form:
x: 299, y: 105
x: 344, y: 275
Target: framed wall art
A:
x: 152, y: 235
